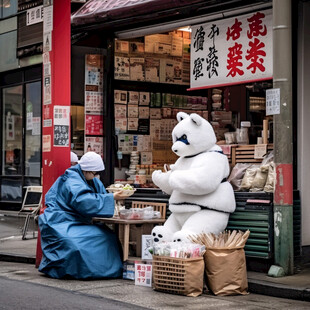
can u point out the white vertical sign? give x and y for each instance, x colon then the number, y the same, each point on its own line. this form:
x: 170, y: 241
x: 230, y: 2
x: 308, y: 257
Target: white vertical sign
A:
x: 273, y: 101
x: 48, y: 19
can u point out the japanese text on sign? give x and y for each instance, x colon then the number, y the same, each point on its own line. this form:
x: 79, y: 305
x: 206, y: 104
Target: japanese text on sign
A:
x: 61, y: 135
x: 273, y: 101
x: 34, y: 15
x: 232, y: 50
x: 143, y: 274
x: 61, y: 125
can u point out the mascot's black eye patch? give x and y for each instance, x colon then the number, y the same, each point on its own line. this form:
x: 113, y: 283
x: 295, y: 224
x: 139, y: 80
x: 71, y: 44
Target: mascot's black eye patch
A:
x: 183, y: 139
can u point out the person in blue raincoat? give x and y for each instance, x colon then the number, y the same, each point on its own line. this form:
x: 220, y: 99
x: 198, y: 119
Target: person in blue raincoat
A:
x: 72, y: 246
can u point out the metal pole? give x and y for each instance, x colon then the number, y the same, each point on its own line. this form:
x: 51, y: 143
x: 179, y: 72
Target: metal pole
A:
x: 283, y: 137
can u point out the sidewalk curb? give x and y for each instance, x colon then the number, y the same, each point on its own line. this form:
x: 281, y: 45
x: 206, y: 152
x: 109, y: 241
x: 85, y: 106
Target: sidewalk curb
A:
x: 255, y: 286
x: 278, y: 290
x: 16, y: 258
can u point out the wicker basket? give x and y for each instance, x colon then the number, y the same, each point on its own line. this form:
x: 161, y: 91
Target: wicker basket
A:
x: 178, y: 275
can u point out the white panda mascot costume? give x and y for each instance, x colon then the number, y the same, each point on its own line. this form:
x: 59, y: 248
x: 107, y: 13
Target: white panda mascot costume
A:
x: 200, y: 197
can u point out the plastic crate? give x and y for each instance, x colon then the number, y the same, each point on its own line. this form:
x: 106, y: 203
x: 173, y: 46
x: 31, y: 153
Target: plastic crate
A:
x: 178, y: 276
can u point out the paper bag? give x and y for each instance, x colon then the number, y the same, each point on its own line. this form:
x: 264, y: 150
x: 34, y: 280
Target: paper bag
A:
x: 193, y: 284
x: 226, y: 271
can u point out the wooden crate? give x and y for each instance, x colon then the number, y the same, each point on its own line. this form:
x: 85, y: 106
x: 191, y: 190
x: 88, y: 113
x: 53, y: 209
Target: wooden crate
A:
x: 245, y: 154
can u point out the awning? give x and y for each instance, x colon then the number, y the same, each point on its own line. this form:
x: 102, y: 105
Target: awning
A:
x: 95, y: 11
x: 114, y: 14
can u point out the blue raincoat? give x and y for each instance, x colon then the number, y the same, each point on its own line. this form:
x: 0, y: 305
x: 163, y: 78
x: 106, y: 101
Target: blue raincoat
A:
x: 71, y: 245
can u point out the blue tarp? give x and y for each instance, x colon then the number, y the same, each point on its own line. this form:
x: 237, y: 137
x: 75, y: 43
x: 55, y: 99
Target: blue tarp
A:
x: 71, y: 245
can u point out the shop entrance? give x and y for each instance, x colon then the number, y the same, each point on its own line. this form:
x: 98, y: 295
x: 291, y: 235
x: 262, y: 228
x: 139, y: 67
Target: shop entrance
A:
x: 20, y: 140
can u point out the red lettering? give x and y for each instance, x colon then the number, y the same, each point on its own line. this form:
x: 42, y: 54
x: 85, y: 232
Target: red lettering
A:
x: 255, y: 54
x: 255, y: 25
x: 234, y: 31
x: 233, y: 60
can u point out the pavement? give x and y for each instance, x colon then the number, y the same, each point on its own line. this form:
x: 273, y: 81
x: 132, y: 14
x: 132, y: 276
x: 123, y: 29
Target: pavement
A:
x: 15, y: 250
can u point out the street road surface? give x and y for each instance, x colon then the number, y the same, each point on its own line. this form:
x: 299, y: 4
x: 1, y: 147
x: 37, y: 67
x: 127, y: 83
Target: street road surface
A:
x: 27, y: 296
x: 23, y: 287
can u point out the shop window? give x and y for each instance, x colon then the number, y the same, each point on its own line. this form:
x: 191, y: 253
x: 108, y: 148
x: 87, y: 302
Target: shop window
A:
x: 11, y: 189
x: 151, y: 78
x: 8, y: 8
x: 77, y: 125
x: 12, y: 130
x: 20, y: 138
x: 8, y: 58
x: 33, y: 130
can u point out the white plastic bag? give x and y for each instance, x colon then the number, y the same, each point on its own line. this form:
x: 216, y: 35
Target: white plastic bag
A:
x: 237, y: 174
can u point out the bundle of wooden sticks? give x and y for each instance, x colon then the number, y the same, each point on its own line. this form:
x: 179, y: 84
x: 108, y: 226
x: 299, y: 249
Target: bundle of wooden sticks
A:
x: 226, y: 239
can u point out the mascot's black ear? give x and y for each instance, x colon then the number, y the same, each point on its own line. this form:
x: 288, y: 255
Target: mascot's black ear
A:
x: 196, y: 119
x: 181, y: 116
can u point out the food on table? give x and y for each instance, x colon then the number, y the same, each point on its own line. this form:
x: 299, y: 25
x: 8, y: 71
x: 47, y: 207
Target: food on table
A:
x: 128, y: 187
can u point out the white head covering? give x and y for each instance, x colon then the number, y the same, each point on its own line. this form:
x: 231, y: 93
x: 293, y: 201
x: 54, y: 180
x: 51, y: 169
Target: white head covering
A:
x: 74, y: 158
x: 91, y: 161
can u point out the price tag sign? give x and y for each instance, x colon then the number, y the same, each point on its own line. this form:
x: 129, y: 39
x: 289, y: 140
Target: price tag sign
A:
x: 260, y: 151
x: 273, y: 101
x: 143, y: 274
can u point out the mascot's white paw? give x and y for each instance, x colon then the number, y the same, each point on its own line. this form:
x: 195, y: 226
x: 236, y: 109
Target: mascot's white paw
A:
x: 161, y: 233
x: 156, y: 176
x: 182, y: 236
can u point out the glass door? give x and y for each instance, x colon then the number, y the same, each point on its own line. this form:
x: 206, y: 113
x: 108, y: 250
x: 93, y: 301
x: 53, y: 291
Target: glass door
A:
x: 12, y: 142
x: 33, y: 131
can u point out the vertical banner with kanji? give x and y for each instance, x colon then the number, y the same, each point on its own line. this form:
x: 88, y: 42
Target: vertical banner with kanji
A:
x: 231, y: 51
x: 93, y: 103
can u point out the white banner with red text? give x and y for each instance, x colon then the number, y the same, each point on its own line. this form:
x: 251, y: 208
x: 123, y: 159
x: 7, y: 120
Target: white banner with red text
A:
x: 232, y: 51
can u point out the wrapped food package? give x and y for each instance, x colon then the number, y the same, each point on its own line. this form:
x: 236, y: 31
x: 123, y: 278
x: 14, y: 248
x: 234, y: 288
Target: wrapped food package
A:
x: 260, y: 178
x: 237, y: 174
x: 270, y: 182
x: 248, y: 177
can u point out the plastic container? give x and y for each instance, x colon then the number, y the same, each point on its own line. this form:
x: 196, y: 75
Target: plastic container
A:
x: 242, y: 136
x: 148, y: 213
x: 230, y: 137
x: 124, y: 214
x: 136, y: 214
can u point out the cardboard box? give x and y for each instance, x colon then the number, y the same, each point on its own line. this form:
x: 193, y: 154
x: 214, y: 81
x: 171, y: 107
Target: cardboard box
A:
x: 132, y: 124
x: 162, y: 48
x: 137, y: 69
x: 144, y: 112
x: 121, y: 68
x: 121, y: 124
x: 120, y: 96
x: 136, y: 47
x: 176, y: 46
x: 155, y: 113
x: 151, y: 40
x: 152, y: 66
x: 144, y: 98
x: 162, y: 157
x: 133, y: 111
x: 121, y: 46
x: 133, y: 97
x: 120, y: 111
